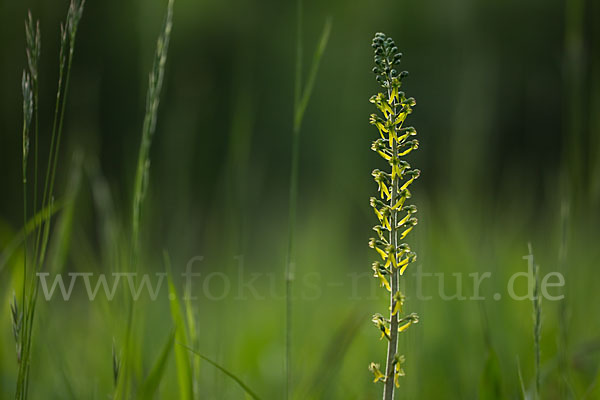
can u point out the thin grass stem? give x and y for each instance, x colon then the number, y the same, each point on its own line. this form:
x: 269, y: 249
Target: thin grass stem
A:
x: 301, y: 98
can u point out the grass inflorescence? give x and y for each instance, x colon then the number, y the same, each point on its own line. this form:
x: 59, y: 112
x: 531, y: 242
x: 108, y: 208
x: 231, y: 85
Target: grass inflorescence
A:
x: 23, y: 314
x: 124, y: 382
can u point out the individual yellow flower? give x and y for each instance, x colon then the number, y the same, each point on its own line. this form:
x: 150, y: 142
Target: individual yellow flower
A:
x: 411, y: 145
x: 412, y: 257
x: 414, y: 174
x: 398, y: 303
x: 380, y: 124
x: 406, y: 132
x: 404, y: 195
x: 398, y: 371
x: 374, y: 368
x: 400, y: 119
x: 383, y: 325
x: 410, y: 224
x: 394, y: 95
x: 407, y: 321
x: 375, y: 244
x: 381, y: 181
x: 380, y: 147
x: 383, y: 282
x: 379, y: 229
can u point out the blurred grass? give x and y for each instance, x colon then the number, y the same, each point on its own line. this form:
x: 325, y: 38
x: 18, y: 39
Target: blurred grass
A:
x: 493, y: 114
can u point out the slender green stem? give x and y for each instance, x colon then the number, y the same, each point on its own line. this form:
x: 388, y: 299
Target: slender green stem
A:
x: 27, y: 105
x: 35, y: 114
x: 299, y: 54
x: 574, y: 88
x: 24, y: 167
x: 58, y: 141
x: 149, y: 127
x: 59, y: 93
x: 140, y: 186
x: 537, y: 323
x: 293, y: 193
x: 301, y: 97
x: 562, y: 308
x: 289, y: 272
x: 388, y: 391
x: 35, y: 144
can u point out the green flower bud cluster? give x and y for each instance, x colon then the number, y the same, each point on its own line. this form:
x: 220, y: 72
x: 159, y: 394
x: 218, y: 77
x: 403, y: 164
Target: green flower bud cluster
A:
x: 396, y: 218
x: 386, y: 58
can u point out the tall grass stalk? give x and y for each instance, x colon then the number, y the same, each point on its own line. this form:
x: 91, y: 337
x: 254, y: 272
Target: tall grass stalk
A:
x: 563, y: 318
x: 67, y: 47
x: 155, y: 82
x: 537, y: 323
x: 395, y: 218
x: 301, y: 97
x: 490, y: 384
x: 34, y: 48
x: 574, y: 87
x: 24, y: 316
x: 140, y: 186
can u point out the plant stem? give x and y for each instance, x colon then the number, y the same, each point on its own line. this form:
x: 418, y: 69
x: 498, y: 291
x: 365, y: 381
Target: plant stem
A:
x: 68, y: 33
x: 537, y: 327
x: 301, y: 98
x: 24, y: 218
x: 388, y: 390
x: 289, y: 265
x: 289, y: 272
x: 563, y: 364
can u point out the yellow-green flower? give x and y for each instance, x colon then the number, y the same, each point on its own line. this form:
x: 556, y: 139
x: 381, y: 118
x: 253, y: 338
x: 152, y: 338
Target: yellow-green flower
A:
x: 382, y: 182
x: 374, y: 368
x: 398, y: 361
x: 379, y: 272
x: 407, y: 321
x: 383, y: 325
x: 398, y: 303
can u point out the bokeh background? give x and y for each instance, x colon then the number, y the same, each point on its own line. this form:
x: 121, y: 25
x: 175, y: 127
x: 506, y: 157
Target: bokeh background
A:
x: 508, y: 98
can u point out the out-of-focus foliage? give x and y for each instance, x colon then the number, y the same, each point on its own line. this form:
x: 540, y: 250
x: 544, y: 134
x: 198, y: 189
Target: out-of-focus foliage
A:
x: 507, y: 134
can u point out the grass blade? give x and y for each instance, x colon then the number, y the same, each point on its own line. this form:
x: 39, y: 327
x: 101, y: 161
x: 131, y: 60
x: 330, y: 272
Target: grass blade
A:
x: 32, y: 224
x: 521, y: 383
x: 184, y: 370
x: 248, y: 391
x: 312, y: 75
x: 490, y: 385
x: 537, y: 323
x: 333, y: 357
x: 61, y: 236
x: 150, y: 386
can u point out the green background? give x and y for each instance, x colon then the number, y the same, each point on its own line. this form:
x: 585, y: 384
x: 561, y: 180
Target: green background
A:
x: 508, y: 95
